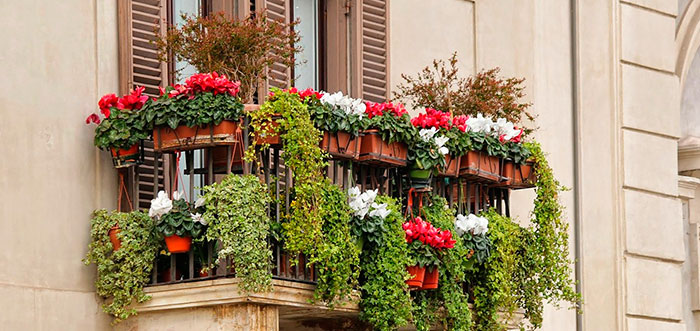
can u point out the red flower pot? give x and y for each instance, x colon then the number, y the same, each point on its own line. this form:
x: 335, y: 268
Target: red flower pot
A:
x: 375, y: 151
x: 341, y: 145
x: 116, y: 243
x: 480, y: 166
x: 185, y: 138
x: 417, y: 275
x: 177, y: 244
x: 451, y: 168
x: 430, y: 281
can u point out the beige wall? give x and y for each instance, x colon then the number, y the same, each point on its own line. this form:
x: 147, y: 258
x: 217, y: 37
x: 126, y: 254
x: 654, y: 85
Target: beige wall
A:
x: 57, y: 58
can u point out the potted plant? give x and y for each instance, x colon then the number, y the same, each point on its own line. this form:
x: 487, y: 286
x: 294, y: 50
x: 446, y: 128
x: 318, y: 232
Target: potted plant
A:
x: 488, y: 140
x: 340, y: 118
x: 205, y: 111
x: 472, y: 230
x: 387, y: 130
x: 427, y: 155
x: 122, y: 128
x: 240, y: 49
x: 426, y: 245
x: 443, y: 122
x: 177, y: 221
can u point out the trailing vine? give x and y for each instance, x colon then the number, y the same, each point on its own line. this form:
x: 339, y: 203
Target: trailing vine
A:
x: 236, y: 212
x: 318, y: 224
x: 337, y: 256
x: 122, y: 274
x: 450, y: 296
x: 385, y: 300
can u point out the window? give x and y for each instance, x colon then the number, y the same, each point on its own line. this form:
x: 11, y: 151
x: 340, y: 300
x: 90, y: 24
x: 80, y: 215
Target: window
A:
x: 306, y: 70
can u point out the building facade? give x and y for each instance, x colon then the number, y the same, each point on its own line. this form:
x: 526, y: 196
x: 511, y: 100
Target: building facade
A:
x: 613, y: 84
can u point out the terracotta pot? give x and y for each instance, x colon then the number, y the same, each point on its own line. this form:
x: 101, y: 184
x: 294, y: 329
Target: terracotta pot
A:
x: 375, y: 151
x: 417, y: 275
x: 274, y: 138
x: 116, y: 243
x: 203, y: 273
x: 451, y: 168
x: 523, y: 176
x: 480, y: 167
x: 507, y: 173
x: 430, y: 281
x: 341, y: 145
x: 420, y: 178
x: 177, y: 244
x: 185, y: 138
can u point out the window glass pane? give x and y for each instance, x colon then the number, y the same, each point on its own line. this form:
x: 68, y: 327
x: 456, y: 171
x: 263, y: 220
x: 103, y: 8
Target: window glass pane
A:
x: 306, y: 68
x: 184, y: 70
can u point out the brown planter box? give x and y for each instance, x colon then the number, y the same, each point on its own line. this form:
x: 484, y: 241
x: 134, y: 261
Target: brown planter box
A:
x: 185, y: 138
x: 341, y: 145
x: 451, y: 166
x: 521, y: 176
x: 375, y: 151
x: 273, y: 139
x: 480, y: 166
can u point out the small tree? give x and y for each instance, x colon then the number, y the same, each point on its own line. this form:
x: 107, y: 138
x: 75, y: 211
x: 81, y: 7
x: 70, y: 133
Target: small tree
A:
x: 243, y: 50
x: 438, y: 86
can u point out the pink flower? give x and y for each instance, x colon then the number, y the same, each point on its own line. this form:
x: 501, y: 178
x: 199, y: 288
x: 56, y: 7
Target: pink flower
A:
x: 94, y: 118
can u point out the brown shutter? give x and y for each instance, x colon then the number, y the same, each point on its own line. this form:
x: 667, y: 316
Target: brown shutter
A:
x: 139, y: 66
x: 370, y: 50
x: 278, y: 75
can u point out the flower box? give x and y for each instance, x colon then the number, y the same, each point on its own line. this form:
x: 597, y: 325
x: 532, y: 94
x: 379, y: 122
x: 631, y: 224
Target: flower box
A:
x: 430, y: 280
x: 518, y: 176
x: 341, y: 145
x: 374, y: 150
x: 420, y: 178
x: 480, y: 166
x: 417, y: 275
x: 272, y: 139
x: 451, y: 168
x: 184, y: 138
x: 122, y: 158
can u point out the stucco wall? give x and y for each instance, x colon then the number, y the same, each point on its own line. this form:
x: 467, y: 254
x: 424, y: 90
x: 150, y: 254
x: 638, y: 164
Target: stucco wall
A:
x: 57, y: 58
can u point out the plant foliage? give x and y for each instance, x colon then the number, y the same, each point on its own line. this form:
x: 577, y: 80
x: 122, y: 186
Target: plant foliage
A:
x: 122, y: 274
x: 236, y: 213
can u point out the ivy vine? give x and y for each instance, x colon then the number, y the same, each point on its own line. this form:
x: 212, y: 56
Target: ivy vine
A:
x: 236, y: 212
x: 122, y: 274
x: 385, y: 300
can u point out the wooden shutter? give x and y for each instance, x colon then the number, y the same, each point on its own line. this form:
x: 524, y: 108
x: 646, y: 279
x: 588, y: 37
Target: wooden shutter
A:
x: 139, y: 66
x: 370, y: 50
x: 278, y: 75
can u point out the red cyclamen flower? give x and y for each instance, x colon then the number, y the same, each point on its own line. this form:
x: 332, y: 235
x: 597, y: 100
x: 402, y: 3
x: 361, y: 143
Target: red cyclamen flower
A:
x: 94, y: 118
x: 134, y: 100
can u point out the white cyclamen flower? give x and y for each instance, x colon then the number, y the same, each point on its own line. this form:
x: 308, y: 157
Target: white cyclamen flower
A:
x: 177, y: 195
x: 198, y: 218
x: 354, y: 192
x: 360, y: 203
x: 369, y: 196
x: 461, y: 224
x: 358, y: 107
x: 482, y: 226
x: 440, y: 141
x: 200, y: 202
x: 160, y: 206
x: 427, y: 134
x: 379, y: 210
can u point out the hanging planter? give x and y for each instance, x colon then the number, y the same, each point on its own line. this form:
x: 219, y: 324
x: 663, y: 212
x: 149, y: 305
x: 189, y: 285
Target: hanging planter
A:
x: 341, y: 145
x: 430, y: 281
x: 177, y: 244
x: 116, y: 242
x: 417, y: 276
x: 480, y: 166
x: 374, y: 150
x: 451, y: 168
x: 273, y: 137
x: 185, y: 138
x: 420, y: 178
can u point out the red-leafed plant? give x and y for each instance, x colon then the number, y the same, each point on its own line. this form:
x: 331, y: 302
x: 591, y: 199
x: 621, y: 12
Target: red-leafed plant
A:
x: 240, y: 49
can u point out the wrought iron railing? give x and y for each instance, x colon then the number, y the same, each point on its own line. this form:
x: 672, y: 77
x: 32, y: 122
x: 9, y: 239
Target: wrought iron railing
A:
x: 207, y: 165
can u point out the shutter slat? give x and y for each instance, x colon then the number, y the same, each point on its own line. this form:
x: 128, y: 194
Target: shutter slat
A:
x: 371, y: 50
